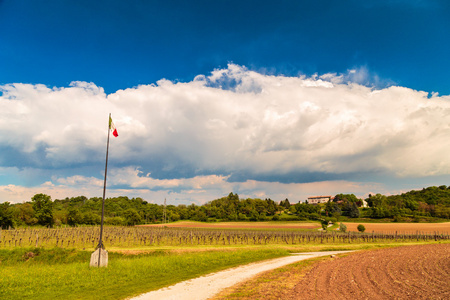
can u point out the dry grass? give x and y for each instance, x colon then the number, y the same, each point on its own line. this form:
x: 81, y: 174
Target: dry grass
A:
x: 274, y: 284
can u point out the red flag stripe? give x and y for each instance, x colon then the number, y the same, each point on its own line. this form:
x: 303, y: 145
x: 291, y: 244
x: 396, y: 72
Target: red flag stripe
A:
x: 112, y: 127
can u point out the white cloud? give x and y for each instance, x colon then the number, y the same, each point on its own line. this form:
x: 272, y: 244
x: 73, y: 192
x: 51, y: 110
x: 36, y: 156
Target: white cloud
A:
x: 199, y: 189
x: 79, y: 180
x: 232, y: 121
x: 66, y: 122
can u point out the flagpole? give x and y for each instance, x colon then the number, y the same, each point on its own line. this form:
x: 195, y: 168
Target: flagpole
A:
x: 100, y: 243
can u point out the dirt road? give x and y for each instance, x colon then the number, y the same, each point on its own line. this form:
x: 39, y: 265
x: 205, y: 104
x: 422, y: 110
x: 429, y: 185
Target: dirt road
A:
x: 209, y: 285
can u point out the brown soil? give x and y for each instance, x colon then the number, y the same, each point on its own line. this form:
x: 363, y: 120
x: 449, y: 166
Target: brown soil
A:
x: 401, y: 227
x: 410, y: 272
x: 237, y: 225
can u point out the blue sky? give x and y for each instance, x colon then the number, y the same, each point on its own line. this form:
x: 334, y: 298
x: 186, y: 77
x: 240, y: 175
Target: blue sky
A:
x: 264, y: 98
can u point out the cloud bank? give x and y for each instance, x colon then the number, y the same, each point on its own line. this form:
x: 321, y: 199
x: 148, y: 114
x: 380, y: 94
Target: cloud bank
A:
x: 230, y: 130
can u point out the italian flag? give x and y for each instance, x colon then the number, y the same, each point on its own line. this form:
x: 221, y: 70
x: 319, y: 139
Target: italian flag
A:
x: 112, y: 127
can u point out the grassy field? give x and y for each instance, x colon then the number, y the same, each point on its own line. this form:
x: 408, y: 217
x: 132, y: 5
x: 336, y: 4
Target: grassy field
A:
x: 143, y: 259
x: 37, y: 273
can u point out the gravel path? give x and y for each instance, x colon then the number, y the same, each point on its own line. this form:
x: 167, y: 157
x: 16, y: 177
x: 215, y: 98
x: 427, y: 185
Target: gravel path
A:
x: 207, y: 286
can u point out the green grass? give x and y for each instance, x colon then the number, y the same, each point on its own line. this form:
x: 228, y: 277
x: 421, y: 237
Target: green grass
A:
x: 50, y: 272
x: 335, y: 226
x: 65, y: 274
x: 38, y: 273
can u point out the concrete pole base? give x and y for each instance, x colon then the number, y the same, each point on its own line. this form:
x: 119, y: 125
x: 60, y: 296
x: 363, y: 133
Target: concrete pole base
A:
x: 103, y: 258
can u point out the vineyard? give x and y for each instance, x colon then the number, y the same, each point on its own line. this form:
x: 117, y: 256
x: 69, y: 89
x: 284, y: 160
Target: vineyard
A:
x: 129, y: 237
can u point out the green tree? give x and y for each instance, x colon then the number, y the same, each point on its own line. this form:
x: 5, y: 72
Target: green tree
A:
x: 42, y: 205
x: 271, y: 207
x: 118, y: 221
x: 286, y: 204
x: 342, y: 227
x: 24, y: 214
x: 74, y: 217
x: 353, y: 211
x: 91, y: 218
x: 332, y: 207
x: 200, y: 215
x: 345, y: 197
x: 377, y: 201
x: 6, y: 215
x: 361, y: 228
x: 325, y: 223
x: 132, y: 217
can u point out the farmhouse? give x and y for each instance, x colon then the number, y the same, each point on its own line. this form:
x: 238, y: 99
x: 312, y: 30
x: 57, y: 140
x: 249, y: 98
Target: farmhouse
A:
x: 319, y: 199
x: 364, y: 203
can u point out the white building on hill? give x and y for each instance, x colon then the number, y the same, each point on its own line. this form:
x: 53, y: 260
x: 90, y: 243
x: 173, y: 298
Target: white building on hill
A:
x: 319, y: 199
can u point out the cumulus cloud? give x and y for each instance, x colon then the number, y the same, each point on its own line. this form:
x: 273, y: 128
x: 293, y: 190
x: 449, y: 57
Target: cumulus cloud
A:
x: 237, y: 119
x: 54, y: 126
x: 131, y: 182
x: 232, y: 121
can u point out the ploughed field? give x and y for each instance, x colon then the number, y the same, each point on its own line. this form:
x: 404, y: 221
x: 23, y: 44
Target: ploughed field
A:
x: 401, y: 227
x: 410, y: 272
x: 240, y: 225
x: 428, y: 228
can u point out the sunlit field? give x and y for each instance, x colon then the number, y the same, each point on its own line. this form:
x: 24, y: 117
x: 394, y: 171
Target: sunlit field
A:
x: 86, y: 238
x: 429, y: 228
x: 241, y: 225
x: 30, y: 273
x: 145, y: 258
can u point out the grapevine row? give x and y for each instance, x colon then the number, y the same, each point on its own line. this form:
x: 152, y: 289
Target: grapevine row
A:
x: 87, y: 237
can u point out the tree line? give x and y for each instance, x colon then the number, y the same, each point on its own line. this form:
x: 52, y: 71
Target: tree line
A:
x: 431, y: 202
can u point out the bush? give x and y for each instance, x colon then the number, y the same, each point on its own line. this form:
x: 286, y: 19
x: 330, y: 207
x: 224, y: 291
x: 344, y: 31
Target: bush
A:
x: 361, y: 228
x: 263, y: 217
x: 285, y: 217
x: 324, y: 224
x: 242, y: 217
x: 336, y: 215
x: 314, y: 216
x: 118, y: 221
x: 342, y: 227
x: 303, y: 216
